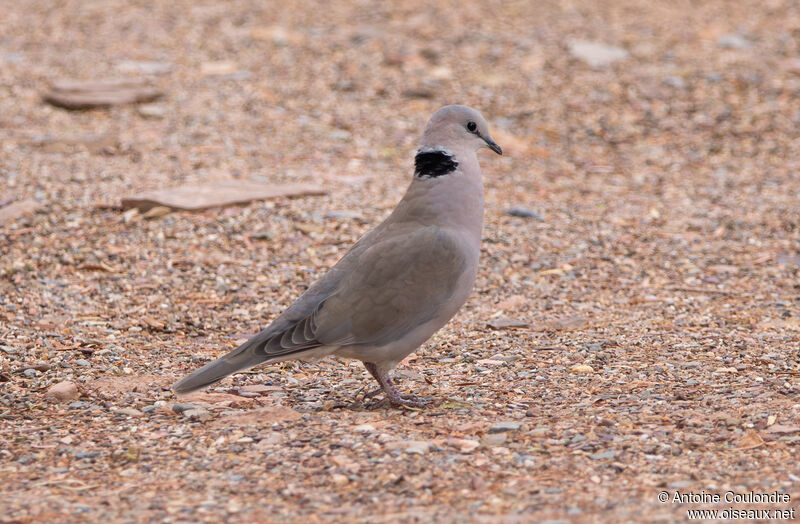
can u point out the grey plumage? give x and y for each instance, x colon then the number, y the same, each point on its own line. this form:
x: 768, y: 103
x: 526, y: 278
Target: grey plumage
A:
x: 400, y: 282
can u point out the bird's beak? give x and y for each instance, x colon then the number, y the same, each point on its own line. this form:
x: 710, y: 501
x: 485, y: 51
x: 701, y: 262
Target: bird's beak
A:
x: 491, y: 144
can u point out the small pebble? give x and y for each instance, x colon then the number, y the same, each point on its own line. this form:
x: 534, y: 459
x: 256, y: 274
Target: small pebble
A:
x: 581, y: 369
x: 504, y: 358
x: 180, y: 408
x: 732, y: 41
x: 524, y: 213
x: 152, y: 111
x: 674, y: 81
x: 464, y: 445
x: 87, y: 454
x: 502, y: 427
x: 596, y: 54
x: 343, y: 214
x: 494, y: 439
x: 604, y: 455
x: 197, y: 414
x: 339, y: 479
x: 418, y: 447
x: 84, y: 363
x: 63, y: 391
x: 131, y: 412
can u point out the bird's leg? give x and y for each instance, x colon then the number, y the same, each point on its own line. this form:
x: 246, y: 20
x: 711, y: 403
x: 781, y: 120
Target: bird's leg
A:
x: 370, y: 394
x: 388, y: 387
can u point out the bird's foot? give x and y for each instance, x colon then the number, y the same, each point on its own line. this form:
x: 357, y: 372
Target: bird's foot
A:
x: 404, y: 401
x: 393, y: 396
x: 408, y: 400
x: 372, y: 393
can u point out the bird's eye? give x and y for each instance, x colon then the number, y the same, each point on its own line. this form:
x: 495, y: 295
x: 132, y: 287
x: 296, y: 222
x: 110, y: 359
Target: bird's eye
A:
x: 472, y: 127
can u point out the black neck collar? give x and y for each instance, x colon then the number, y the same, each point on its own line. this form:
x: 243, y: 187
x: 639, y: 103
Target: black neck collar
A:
x: 433, y: 163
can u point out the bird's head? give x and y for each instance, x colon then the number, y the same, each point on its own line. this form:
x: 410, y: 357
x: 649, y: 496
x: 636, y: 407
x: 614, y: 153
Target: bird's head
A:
x: 458, y: 126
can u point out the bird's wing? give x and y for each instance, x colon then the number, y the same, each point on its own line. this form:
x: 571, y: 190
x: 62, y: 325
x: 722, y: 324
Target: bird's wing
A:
x: 391, y: 288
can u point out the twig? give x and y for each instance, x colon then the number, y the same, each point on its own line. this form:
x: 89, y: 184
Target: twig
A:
x: 703, y: 290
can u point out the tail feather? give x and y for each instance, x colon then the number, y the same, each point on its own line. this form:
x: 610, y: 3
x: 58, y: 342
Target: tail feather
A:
x: 245, y: 356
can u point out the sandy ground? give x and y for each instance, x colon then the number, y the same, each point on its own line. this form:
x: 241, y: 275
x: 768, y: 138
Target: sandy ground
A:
x: 657, y: 288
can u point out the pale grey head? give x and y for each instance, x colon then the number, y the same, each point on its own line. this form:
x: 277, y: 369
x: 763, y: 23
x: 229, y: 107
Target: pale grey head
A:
x: 457, y: 125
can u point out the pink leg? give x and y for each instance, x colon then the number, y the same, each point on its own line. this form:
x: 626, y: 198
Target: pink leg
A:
x: 394, y: 396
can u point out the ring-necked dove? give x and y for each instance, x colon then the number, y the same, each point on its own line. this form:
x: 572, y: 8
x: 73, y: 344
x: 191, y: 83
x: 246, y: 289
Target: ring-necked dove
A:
x: 401, y: 282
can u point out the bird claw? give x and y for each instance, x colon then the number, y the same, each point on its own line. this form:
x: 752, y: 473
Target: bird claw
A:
x: 405, y: 400
x: 371, y: 394
x: 411, y: 400
x: 377, y: 404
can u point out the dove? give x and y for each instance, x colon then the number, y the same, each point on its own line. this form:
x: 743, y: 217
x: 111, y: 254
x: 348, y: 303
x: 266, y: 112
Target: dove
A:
x: 399, y: 283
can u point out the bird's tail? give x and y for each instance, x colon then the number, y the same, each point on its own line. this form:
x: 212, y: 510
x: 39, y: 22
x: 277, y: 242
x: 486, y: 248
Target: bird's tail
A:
x: 245, y: 356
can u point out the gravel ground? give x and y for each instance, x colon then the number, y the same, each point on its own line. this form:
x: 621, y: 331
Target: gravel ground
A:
x: 654, y: 285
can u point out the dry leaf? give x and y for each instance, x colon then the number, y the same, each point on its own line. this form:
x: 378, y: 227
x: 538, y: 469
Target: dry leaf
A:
x: 783, y: 428
x: 569, y: 323
x: 216, y: 194
x: 507, y: 323
x: 750, y: 440
x: 18, y: 209
x: 581, y: 369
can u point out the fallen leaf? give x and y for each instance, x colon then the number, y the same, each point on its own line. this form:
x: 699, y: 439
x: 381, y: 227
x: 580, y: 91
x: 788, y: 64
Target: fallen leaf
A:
x: 18, y: 209
x: 750, y: 440
x: 783, y: 428
x: 75, y: 94
x: 218, y: 194
x: 507, y: 323
x: 569, y: 323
